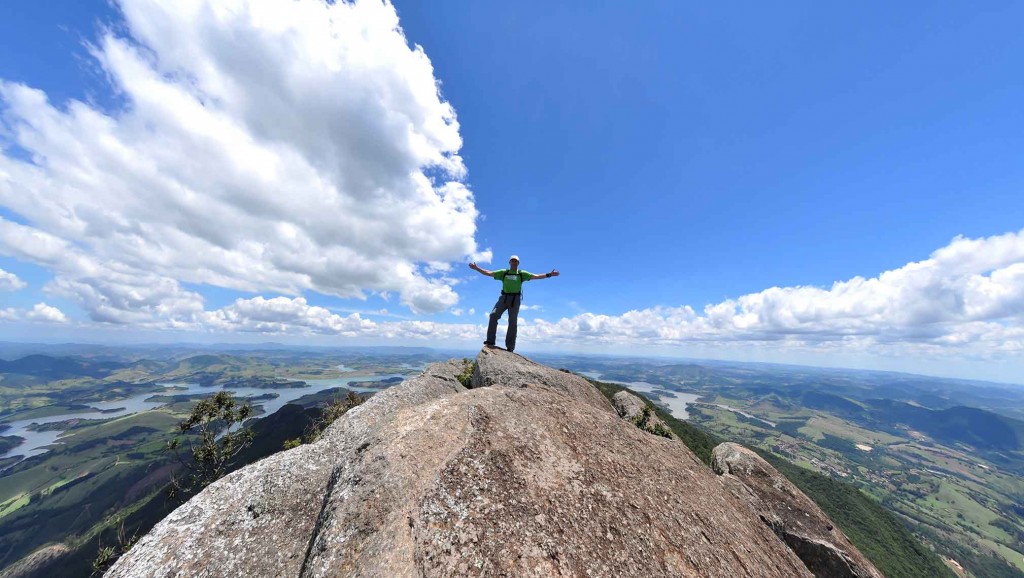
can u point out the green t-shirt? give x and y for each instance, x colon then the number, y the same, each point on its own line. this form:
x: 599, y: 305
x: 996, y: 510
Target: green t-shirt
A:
x: 513, y: 282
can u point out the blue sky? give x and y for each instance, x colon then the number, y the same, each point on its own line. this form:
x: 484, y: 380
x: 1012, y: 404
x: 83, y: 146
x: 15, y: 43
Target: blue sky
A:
x: 824, y: 184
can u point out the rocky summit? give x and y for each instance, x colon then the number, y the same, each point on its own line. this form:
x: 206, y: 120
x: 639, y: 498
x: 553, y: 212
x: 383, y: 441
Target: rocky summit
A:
x: 529, y: 472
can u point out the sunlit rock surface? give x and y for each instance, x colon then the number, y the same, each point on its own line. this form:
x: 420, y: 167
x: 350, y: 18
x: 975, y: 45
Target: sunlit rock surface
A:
x: 529, y: 473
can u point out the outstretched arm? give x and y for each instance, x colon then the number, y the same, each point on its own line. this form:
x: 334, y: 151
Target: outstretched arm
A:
x: 482, y: 271
x: 553, y: 273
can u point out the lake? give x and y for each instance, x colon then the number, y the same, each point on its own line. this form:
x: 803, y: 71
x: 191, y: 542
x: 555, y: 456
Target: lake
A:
x: 674, y: 401
x: 38, y: 442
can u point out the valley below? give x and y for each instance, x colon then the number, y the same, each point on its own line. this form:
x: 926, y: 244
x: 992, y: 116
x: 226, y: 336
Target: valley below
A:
x: 947, y: 456
x: 83, y: 437
x: 84, y: 440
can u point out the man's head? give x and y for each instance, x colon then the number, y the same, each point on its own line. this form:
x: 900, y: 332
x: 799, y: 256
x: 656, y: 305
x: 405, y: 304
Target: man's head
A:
x: 513, y: 261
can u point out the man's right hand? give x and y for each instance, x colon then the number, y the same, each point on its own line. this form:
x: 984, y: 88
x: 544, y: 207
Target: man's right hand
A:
x: 473, y: 266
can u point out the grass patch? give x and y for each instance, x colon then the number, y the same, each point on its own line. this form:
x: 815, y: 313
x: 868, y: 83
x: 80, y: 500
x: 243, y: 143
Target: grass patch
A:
x: 57, y: 485
x: 1015, y: 557
x: 12, y: 505
x: 843, y: 429
x: 465, y: 377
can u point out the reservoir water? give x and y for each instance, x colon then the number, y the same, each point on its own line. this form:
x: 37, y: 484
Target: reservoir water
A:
x: 674, y: 401
x: 38, y: 442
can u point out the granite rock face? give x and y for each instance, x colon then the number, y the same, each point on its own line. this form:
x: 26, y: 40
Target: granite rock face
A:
x: 633, y: 409
x: 627, y: 405
x: 38, y: 564
x: 529, y: 473
x: 794, y: 517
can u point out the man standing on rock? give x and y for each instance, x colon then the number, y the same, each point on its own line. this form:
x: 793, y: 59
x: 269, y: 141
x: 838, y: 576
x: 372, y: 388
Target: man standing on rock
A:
x: 511, y: 296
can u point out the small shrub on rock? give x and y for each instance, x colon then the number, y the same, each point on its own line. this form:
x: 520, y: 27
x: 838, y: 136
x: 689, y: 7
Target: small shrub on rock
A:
x: 466, y: 376
x: 331, y: 412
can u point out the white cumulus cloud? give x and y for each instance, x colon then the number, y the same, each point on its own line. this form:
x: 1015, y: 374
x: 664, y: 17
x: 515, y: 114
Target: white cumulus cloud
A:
x: 295, y: 316
x: 262, y: 145
x: 283, y: 315
x: 10, y: 281
x: 966, y: 299
x: 46, y: 314
x: 110, y: 291
x: 968, y: 295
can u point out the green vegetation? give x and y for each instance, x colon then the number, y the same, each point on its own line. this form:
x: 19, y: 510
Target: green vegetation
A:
x: 8, y: 443
x: 876, y: 533
x: 327, y: 415
x: 643, y: 421
x: 46, y: 411
x: 984, y: 430
x: 213, y: 442
x: 791, y: 426
x: 660, y: 430
x: 466, y: 376
x: 43, y: 368
x: 135, y: 518
x: 949, y: 495
x: 107, y: 555
x: 700, y: 442
x: 952, y: 473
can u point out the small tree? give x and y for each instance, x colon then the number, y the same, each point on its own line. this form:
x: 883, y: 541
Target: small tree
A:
x: 213, y: 441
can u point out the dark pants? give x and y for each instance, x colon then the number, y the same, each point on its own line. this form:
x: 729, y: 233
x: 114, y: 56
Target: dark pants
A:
x: 508, y: 303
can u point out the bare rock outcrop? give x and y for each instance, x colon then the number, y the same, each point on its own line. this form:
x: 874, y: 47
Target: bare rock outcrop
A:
x: 635, y: 410
x: 529, y: 473
x: 794, y: 517
x: 500, y: 368
x: 37, y: 564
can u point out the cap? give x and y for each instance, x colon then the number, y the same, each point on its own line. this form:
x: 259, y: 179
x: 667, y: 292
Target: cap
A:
x: 516, y: 257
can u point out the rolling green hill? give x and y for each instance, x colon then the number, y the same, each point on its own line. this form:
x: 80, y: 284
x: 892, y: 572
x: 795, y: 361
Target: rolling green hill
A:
x: 41, y: 368
x: 976, y: 427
